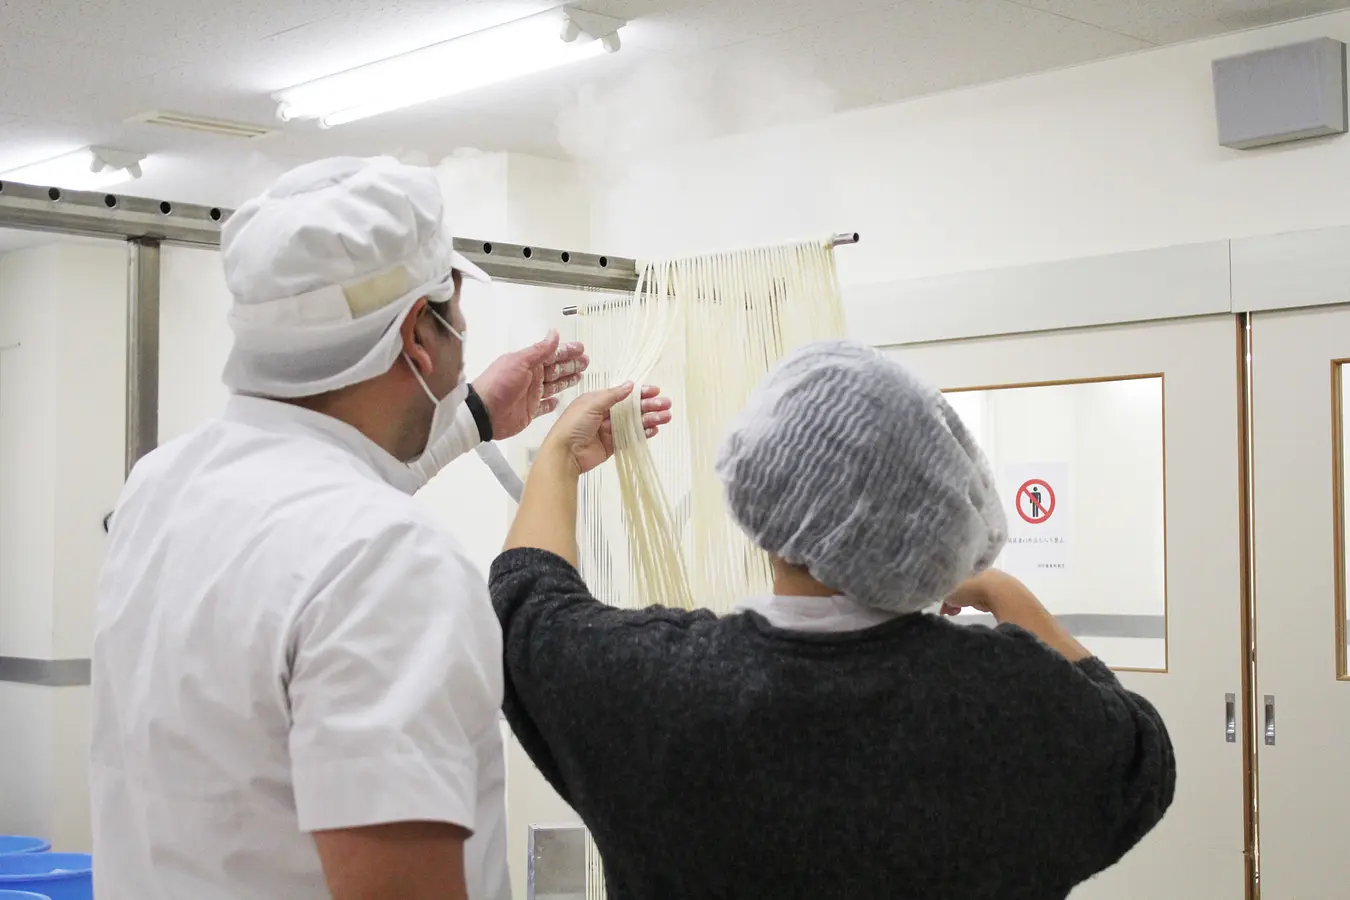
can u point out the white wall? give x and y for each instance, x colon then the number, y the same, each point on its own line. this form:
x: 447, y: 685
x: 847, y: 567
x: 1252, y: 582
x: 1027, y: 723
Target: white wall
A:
x: 27, y: 470
x: 27, y: 474
x: 88, y: 396
x: 194, y: 339
x: 1110, y: 157
x: 61, y: 462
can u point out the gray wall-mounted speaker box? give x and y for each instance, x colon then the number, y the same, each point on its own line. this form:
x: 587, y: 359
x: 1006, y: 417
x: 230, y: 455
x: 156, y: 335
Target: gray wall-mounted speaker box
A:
x: 1280, y: 95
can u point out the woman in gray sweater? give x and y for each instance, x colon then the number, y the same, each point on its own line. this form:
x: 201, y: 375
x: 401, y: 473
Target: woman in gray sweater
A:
x: 835, y: 739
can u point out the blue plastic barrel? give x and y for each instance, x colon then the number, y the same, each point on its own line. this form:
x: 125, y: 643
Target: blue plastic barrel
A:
x: 58, y: 876
x: 18, y: 843
x: 22, y: 895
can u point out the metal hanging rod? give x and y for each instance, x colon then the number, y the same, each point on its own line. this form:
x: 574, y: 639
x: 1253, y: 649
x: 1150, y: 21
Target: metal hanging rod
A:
x: 839, y: 240
x: 36, y: 208
x: 545, y: 267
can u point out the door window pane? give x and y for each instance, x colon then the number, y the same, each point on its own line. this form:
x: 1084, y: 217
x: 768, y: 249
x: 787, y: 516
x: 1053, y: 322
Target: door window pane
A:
x: 1080, y: 470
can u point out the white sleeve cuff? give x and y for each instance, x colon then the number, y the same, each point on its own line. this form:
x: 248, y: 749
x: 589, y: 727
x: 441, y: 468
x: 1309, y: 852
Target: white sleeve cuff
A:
x: 355, y: 793
x: 460, y: 438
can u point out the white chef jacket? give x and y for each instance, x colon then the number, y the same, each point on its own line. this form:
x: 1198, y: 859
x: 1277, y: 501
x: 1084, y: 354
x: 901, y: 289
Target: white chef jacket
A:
x: 285, y: 643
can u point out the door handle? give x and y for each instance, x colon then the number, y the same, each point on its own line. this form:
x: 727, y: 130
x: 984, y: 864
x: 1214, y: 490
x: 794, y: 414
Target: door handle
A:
x: 1270, y: 720
x: 1230, y: 718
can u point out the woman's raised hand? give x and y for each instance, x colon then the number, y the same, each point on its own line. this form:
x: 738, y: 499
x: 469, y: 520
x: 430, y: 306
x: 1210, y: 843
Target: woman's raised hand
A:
x: 584, y: 433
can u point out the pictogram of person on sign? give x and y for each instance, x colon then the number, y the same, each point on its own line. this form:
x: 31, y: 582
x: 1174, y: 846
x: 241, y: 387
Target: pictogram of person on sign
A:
x: 1035, y: 501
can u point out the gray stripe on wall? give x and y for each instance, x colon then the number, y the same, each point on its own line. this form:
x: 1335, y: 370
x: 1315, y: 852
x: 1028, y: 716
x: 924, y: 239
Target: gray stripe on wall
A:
x: 44, y: 672
x: 1098, y: 625
x: 75, y: 672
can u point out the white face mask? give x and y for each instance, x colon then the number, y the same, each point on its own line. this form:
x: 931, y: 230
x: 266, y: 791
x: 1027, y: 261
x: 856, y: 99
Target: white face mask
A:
x: 444, y: 415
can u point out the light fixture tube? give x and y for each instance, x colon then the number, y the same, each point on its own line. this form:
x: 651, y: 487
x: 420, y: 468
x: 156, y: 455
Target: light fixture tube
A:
x: 87, y: 169
x: 523, y: 47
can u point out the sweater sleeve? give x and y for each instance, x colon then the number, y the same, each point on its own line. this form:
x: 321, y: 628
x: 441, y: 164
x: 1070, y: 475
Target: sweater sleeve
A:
x: 1122, y: 746
x: 1143, y: 778
x: 572, y: 663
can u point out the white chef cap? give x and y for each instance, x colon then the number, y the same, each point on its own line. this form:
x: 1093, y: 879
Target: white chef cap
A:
x: 325, y: 265
x: 845, y: 462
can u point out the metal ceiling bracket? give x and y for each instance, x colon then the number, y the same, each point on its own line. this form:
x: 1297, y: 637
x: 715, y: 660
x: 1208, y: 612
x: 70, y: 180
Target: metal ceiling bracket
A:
x: 598, y: 27
x: 110, y: 158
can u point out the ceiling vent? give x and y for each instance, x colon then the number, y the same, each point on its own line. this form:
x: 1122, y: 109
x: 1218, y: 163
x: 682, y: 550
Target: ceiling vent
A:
x: 202, y: 124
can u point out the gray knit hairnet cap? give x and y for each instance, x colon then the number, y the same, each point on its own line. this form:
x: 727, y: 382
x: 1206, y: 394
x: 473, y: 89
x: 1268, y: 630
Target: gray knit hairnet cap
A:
x: 845, y: 462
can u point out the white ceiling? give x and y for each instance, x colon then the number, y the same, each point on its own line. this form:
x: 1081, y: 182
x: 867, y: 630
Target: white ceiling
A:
x: 75, y: 70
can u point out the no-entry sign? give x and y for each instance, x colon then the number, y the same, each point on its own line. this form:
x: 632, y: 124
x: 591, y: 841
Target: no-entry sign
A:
x: 1035, y: 501
x: 1038, y: 506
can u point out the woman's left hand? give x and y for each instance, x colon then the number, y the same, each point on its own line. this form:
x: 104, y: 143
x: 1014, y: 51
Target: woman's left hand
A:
x: 584, y: 434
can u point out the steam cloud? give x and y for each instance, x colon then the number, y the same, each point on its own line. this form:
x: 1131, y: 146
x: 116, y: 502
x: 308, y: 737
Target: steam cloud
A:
x: 256, y: 172
x: 667, y: 103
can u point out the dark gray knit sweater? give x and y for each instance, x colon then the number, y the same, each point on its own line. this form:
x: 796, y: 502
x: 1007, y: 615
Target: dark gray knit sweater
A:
x: 917, y: 760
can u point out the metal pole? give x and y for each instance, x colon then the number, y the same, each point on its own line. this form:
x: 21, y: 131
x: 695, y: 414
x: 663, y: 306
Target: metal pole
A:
x: 142, y: 348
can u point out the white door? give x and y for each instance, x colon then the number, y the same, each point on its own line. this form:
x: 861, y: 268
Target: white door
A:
x: 1299, y: 508
x: 1116, y: 450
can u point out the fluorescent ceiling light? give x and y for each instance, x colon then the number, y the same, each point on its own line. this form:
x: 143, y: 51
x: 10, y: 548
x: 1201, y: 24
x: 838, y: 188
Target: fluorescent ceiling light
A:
x: 523, y: 47
x: 89, y: 169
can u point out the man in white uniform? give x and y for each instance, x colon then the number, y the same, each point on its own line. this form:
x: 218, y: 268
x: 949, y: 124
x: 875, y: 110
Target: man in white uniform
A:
x: 297, y: 675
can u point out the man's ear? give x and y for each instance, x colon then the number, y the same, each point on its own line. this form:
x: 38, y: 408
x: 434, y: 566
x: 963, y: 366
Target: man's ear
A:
x: 416, y: 337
